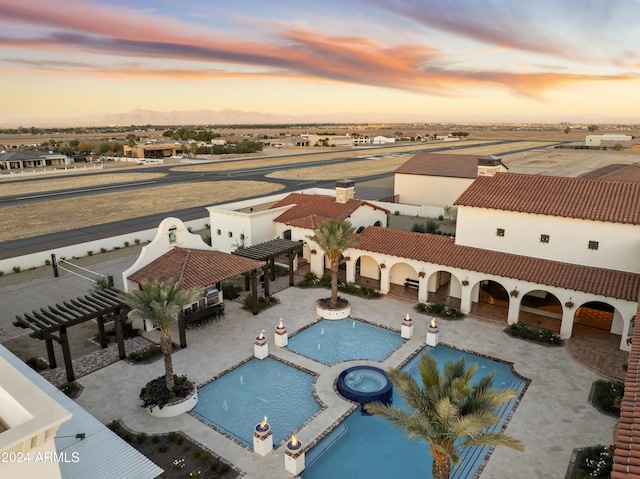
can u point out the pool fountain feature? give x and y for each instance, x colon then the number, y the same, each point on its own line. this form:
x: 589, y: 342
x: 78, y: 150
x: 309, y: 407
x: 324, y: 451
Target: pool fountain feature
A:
x: 262, y: 438
x: 261, y: 347
x: 433, y: 331
x: 365, y: 384
x: 294, y: 456
x: 406, y: 330
x: 281, y: 337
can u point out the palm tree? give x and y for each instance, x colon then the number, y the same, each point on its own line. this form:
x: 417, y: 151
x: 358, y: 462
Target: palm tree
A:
x: 334, y: 237
x: 448, y: 412
x: 161, y: 304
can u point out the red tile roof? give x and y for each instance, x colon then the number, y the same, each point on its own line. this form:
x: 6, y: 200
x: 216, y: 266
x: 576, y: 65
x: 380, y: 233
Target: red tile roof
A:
x: 441, y: 250
x: 616, y: 172
x: 312, y: 210
x: 626, y: 462
x: 434, y: 164
x: 195, y: 268
x: 585, y: 198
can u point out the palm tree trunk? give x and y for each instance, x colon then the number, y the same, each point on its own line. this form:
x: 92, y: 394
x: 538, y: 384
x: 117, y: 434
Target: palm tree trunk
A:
x: 334, y: 284
x: 166, y: 347
x: 441, y: 467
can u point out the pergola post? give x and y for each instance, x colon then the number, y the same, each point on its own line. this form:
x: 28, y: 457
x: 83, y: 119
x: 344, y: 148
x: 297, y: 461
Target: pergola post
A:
x: 51, y: 354
x: 266, y: 282
x: 102, y: 337
x: 118, y: 320
x: 254, y: 292
x: 66, y: 353
x: 182, y: 331
x: 272, y: 267
x: 246, y: 282
x: 292, y: 252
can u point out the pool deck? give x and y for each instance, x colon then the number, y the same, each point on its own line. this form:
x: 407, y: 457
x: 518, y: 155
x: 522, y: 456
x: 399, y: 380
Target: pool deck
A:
x: 553, y: 418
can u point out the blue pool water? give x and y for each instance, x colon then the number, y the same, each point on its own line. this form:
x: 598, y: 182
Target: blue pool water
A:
x: 367, y: 446
x: 238, y: 400
x: 331, y: 342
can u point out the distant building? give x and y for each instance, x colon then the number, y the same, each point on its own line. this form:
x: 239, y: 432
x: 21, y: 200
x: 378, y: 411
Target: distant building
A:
x: 331, y: 140
x: 162, y: 150
x: 432, y: 179
x: 381, y: 140
x: 18, y: 160
x: 596, y: 140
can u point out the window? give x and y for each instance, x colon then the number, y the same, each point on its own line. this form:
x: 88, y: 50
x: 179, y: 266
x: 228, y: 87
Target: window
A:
x: 544, y: 238
x: 242, y: 237
x: 218, y: 232
x: 500, y: 232
x: 172, y: 234
x: 230, y: 234
x: 593, y: 245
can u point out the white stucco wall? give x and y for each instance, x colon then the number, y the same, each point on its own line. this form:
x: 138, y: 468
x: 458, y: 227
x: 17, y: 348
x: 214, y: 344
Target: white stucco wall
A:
x: 618, y: 247
x: 429, y: 190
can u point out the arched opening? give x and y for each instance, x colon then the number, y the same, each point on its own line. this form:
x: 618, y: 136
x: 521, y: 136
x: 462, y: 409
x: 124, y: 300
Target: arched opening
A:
x: 377, y: 223
x: 443, y: 287
x: 595, y: 314
x: 286, y: 235
x: 360, y: 230
x: 403, y: 281
x: 367, y: 272
x: 541, y: 309
x: 490, y: 300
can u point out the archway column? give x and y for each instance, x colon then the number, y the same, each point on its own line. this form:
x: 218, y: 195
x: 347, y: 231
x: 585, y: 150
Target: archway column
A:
x: 514, y: 310
x: 422, y: 290
x: 385, y: 280
x: 465, y: 298
x: 351, y: 271
x: 566, y: 327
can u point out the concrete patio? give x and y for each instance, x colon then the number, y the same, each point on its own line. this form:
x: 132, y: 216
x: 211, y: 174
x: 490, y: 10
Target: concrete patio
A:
x: 552, y: 419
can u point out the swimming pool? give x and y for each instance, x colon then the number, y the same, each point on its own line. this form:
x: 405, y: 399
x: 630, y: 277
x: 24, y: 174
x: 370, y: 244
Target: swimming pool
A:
x: 367, y: 446
x: 238, y: 400
x: 334, y: 341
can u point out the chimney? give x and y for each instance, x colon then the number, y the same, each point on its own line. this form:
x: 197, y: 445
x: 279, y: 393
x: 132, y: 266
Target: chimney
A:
x: 345, y: 191
x: 489, y: 165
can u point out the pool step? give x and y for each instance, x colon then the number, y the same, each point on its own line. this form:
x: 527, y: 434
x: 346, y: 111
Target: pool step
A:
x: 330, y: 439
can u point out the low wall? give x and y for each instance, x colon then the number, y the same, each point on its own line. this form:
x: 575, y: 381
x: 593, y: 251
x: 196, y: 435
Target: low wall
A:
x: 50, y: 170
x: 410, y: 210
x: 78, y: 250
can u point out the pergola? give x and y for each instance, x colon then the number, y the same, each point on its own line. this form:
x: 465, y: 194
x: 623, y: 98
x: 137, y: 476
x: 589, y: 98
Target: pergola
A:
x: 268, y: 251
x: 51, y: 323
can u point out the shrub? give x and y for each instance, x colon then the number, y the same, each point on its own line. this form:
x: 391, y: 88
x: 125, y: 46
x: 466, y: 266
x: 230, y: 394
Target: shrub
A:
x: 146, y: 354
x: 47, y: 262
x: 438, y: 309
x: 163, y: 448
x: 1, y: 273
x: 155, y: 393
x: 16, y: 269
x: 441, y: 217
x: 128, y: 437
x: 90, y: 253
x: 155, y: 439
x: 533, y: 333
x: 594, y: 461
x: 264, y: 302
x: 607, y: 396
x: 103, y: 250
x: 126, y: 243
x: 136, y: 241
x: 35, y: 364
x: 141, y: 437
x: 189, y: 229
x: 207, y: 226
x: 280, y: 270
x: 229, y: 291
x: 309, y: 279
x: 173, y: 436
x: 70, y: 389
x: 114, y: 426
x: 396, y: 213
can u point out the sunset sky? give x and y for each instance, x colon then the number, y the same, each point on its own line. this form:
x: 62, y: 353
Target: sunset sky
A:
x: 437, y: 58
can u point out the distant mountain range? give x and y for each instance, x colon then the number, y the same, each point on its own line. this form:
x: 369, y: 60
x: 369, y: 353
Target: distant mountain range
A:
x: 237, y: 117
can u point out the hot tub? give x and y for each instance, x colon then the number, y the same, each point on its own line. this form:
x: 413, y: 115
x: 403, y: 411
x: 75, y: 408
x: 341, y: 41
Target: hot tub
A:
x: 365, y: 384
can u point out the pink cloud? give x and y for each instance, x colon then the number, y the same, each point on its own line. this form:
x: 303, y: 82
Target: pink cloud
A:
x: 295, y: 53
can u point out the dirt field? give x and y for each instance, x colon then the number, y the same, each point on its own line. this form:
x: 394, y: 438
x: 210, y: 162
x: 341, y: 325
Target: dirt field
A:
x: 51, y: 216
